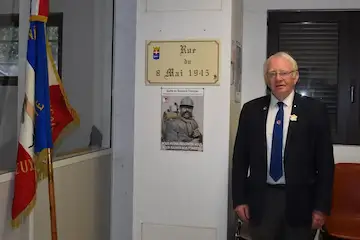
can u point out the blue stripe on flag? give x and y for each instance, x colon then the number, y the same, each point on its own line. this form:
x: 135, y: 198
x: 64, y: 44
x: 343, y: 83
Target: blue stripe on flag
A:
x: 37, y: 58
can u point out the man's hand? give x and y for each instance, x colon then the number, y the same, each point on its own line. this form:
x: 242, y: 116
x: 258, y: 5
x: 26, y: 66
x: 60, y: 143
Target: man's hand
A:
x: 318, y: 219
x: 243, y: 212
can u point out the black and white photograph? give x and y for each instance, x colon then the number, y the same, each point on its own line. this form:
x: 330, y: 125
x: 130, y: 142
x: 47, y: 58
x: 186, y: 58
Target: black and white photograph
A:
x: 182, y: 115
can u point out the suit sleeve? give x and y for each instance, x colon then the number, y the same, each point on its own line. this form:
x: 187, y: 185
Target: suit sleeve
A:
x: 324, y: 161
x: 240, y: 162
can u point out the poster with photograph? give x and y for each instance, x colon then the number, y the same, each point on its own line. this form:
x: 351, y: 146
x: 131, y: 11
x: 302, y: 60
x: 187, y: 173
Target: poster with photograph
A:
x: 182, y: 115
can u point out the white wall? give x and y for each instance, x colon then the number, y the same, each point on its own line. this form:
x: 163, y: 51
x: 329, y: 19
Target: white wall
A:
x: 235, y: 106
x: 182, y: 193
x: 82, y: 191
x: 254, y: 50
x: 6, y: 232
x: 123, y: 120
x: 236, y: 36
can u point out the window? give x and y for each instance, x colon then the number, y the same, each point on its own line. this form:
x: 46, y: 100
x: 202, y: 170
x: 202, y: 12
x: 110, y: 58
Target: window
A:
x: 9, y: 49
x: 87, y: 73
x: 325, y: 45
x: 9, y: 42
x: 81, y: 44
x: 8, y: 91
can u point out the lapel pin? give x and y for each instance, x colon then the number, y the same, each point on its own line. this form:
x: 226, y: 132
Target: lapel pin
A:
x: 294, y: 106
x: 264, y: 108
x: 293, y: 118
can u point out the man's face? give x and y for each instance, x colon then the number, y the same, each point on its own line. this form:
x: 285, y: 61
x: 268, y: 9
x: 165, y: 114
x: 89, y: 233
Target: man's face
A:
x: 186, y: 111
x: 281, y: 77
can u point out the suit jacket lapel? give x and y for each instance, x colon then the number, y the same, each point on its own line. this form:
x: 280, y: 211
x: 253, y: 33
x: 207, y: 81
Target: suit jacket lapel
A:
x: 294, y: 111
x: 265, y: 111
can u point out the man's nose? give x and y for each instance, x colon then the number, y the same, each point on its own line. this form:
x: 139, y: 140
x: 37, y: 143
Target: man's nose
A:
x: 278, y: 77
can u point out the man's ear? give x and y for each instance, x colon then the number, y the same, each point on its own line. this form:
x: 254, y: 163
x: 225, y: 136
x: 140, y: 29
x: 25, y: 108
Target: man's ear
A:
x: 296, y: 77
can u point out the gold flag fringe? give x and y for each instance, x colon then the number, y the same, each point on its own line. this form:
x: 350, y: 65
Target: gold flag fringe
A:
x: 15, y: 223
x: 72, y: 111
x: 41, y: 161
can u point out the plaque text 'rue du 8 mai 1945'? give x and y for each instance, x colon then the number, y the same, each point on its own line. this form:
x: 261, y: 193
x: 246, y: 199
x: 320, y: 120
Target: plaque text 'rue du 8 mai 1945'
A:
x: 182, y: 62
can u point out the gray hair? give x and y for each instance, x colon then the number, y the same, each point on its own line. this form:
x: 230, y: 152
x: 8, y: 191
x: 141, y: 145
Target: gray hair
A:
x: 284, y: 55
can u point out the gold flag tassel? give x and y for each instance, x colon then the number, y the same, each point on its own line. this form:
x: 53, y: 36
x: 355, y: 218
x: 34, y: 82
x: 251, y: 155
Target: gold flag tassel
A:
x: 15, y: 223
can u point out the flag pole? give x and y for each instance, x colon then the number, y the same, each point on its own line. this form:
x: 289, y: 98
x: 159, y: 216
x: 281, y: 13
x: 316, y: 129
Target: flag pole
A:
x: 51, y: 195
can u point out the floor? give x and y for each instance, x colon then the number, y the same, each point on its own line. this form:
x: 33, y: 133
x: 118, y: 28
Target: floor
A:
x: 243, y: 233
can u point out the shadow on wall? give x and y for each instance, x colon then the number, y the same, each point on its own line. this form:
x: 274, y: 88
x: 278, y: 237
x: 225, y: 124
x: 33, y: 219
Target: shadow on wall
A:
x: 96, y: 137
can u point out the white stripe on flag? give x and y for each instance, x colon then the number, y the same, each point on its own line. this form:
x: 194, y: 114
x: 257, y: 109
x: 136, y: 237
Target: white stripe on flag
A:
x: 26, y: 135
x: 35, y: 7
x: 30, y: 83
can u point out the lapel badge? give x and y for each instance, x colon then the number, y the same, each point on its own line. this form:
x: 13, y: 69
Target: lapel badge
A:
x: 265, y: 108
x: 293, y: 118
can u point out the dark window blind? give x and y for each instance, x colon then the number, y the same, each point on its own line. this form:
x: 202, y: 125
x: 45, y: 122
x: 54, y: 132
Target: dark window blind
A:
x: 315, y: 46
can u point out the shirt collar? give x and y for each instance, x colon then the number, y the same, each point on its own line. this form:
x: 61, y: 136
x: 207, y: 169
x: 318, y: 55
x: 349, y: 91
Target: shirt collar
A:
x: 287, y: 101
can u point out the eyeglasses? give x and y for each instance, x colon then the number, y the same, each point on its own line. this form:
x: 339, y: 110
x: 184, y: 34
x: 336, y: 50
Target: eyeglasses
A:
x: 282, y: 74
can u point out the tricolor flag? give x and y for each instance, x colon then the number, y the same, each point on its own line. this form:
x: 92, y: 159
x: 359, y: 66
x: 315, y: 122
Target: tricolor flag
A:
x: 46, y: 114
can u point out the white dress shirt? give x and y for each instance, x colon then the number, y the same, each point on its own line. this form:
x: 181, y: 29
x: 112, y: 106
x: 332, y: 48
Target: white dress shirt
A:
x: 273, y: 109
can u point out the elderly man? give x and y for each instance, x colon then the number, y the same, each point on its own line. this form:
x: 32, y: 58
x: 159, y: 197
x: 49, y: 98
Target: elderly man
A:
x: 283, y: 163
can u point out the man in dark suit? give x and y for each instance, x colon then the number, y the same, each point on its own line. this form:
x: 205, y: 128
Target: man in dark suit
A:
x: 283, y: 163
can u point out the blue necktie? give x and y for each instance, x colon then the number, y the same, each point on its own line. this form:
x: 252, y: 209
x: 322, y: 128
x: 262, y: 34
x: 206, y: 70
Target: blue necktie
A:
x: 276, y: 169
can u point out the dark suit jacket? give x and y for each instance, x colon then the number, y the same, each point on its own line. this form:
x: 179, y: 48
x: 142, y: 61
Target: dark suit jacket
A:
x: 308, y: 160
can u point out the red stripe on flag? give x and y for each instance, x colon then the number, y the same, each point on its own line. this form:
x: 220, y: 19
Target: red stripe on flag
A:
x: 25, y: 183
x: 43, y: 8
x: 60, y: 114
